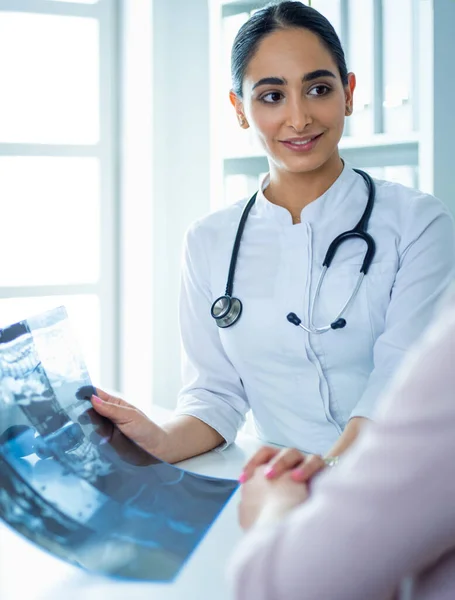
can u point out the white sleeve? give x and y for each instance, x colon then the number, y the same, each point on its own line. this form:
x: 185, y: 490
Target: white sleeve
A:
x: 426, y: 270
x: 212, y: 389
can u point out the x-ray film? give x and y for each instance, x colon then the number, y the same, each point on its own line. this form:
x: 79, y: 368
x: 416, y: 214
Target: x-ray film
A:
x: 72, y: 483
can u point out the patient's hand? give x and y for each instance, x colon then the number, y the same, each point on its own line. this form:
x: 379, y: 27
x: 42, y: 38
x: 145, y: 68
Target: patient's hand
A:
x: 302, y: 467
x: 264, y: 501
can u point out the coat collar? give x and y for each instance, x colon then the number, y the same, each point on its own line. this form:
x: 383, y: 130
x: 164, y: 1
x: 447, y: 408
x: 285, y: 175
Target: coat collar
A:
x: 323, y: 208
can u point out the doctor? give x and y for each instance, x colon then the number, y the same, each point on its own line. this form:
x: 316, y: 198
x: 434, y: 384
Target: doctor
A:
x: 311, y: 390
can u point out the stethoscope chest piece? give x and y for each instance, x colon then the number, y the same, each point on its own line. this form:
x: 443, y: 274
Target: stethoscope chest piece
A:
x: 226, y: 311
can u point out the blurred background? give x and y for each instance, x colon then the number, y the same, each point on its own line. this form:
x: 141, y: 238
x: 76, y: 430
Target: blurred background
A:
x: 116, y: 133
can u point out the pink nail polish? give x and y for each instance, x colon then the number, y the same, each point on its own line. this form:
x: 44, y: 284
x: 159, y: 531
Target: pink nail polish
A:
x: 297, y: 474
x: 269, y: 472
x: 242, y: 478
x: 97, y: 400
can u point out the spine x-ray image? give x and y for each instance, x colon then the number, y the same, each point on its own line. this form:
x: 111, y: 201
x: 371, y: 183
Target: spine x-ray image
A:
x: 72, y: 483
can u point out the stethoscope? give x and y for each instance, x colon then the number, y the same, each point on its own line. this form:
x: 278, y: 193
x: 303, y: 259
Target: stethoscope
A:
x: 226, y: 310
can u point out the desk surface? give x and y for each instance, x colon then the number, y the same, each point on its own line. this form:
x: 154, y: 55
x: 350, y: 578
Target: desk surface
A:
x: 28, y: 572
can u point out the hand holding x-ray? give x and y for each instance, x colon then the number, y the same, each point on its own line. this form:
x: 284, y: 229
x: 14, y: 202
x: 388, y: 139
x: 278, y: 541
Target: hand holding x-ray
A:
x: 128, y: 420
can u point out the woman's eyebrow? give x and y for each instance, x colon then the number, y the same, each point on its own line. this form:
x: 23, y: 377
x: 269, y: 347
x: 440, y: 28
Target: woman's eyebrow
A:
x: 307, y: 77
x: 270, y: 81
x: 318, y: 73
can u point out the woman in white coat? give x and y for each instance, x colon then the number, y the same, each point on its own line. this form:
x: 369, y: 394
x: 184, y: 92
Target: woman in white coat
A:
x: 311, y: 391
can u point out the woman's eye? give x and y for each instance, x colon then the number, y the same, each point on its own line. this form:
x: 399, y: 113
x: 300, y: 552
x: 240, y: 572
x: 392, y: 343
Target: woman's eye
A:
x: 272, y: 97
x: 319, y: 90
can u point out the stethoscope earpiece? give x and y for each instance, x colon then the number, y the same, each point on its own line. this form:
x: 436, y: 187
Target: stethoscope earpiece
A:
x: 338, y: 324
x: 226, y: 311
x: 294, y: 319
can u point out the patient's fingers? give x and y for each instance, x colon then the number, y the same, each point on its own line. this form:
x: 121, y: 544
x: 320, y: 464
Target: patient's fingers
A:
x: 262, y: 457
x: 284, y: 461
x: 308, y: 469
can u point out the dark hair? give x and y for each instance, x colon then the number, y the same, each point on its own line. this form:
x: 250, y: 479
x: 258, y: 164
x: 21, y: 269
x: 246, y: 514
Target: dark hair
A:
x: 282, y: 15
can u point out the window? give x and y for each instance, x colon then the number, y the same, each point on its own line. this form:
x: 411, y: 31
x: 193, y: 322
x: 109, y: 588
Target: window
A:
x: 399, y: 110
x: 57, y: 138
x: 379, y: 39
x: 360, y: 59
x: 234, y: 139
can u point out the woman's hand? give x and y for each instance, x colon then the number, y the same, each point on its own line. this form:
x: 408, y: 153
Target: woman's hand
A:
x: 132, y: 422
x: 302, y: 467
x: 264, y: 500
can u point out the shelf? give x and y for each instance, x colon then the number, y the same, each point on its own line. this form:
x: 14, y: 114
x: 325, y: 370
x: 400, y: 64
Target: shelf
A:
x: 379, y: 140
x: 375, y: 151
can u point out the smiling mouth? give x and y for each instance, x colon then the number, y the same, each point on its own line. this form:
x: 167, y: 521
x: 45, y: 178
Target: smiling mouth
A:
x: 301, y: 141
x: 302, y: 144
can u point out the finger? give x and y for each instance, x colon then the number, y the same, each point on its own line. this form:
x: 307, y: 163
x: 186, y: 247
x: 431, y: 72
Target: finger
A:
x: 286, y: 460
x: 262, y: 457
x: 305, y: 472
x: 115, y: 409
x: 105, y: 397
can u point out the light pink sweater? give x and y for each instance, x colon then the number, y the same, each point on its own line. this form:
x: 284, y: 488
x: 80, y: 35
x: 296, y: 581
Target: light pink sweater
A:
x: 386, y: 512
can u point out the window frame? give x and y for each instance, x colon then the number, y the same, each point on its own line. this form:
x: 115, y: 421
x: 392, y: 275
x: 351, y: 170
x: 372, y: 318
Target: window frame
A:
x: 106, y: 151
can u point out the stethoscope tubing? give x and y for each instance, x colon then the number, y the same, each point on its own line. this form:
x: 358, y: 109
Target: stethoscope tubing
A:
x: 226, y: 310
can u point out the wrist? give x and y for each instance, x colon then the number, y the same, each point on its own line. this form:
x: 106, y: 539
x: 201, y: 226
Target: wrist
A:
x: 159, y: 444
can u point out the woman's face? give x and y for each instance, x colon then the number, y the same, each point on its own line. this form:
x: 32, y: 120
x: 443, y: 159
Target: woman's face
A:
x: 294, y: 100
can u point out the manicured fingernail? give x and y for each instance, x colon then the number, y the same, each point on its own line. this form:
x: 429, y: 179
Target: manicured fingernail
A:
x: 242, y: 478
x: 97, y: 400
x: 297, y: 474
x: 269, y: 472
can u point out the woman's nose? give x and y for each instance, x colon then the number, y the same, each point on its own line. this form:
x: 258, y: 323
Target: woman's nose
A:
x: 299, y: 115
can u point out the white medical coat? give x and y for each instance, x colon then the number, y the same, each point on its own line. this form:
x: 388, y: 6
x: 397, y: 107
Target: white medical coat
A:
x: 303, y: 388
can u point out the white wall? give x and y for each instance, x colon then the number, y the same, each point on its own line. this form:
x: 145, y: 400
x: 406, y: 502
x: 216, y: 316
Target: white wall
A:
x: 136, y: 219
x: 181, y: 191
x: 175, y: 173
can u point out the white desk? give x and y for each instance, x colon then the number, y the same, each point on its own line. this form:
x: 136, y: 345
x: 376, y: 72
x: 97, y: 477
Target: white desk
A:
x: 28, y: 572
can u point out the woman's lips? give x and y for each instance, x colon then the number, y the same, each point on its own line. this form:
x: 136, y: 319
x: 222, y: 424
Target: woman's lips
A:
x: 302, y: 144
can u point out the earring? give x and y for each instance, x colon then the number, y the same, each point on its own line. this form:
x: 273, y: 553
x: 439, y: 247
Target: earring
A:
x: 241, y: 121
x: 349, y: 110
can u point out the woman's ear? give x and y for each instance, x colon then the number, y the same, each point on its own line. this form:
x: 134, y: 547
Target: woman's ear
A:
x: 349, y: 94
x: 238, y: 105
